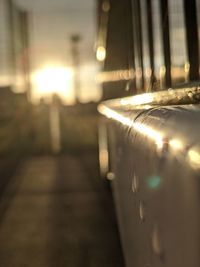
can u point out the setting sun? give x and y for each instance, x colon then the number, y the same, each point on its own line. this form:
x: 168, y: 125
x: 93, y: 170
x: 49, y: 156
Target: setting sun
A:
x: 50, y: 80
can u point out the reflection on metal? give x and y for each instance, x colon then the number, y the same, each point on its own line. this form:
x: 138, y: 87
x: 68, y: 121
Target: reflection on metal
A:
x: 187, y: 70
x: 106, y: 6
x: 117, y: 110
x: 135, y: 184
x: 110, y: 176
x: 142, y: 211
x: 180, y: 73
x: 156, y: 242
x: 176, y: 144
x: 168, y: 97
x: 138, y: 73
x: 194, y: 157
x: 139, y: 127
x: 148, y: 73
x: 187, y: 67
x: 103, y: 150
x: 116, y: 75
x: 158, y: 137
x: 102, y: 35
x: 101, y: 53
x: 138, y: 100
x: 162, y: 71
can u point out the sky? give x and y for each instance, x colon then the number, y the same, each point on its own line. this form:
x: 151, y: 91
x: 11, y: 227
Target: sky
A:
x: 52, y: 22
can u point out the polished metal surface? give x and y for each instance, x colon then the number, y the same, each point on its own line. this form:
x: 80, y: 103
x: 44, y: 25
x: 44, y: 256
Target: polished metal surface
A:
x: 154, y: 155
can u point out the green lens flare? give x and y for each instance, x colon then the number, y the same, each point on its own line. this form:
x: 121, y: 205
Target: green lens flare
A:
x: 154, y: 182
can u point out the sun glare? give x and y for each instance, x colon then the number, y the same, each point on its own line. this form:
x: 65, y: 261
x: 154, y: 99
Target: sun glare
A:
x: 50, y: 80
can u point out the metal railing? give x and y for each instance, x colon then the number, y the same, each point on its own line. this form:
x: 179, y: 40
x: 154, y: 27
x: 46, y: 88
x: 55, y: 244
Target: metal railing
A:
x: 153, y: 147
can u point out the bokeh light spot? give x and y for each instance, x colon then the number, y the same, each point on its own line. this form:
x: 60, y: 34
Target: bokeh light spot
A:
x: 154, y: 182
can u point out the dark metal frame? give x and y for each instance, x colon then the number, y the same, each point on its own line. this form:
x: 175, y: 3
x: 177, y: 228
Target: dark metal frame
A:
x: 150, y: 37
x: 134, y: 40
x: 164, y: 10
x: 191, y: 24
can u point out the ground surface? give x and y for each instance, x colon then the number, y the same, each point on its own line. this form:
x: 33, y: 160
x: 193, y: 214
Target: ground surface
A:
x: 56, y: 212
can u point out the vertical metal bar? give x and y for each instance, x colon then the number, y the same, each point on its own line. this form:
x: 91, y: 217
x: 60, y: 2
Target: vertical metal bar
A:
x: 166, y: 40
x: 131, y: 52
x: 191, y: 23
x: 150, y: 38
x: 138, y: 10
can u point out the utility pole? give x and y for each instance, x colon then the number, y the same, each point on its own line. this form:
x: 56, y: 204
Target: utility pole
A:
x: 75, y: 52
x: 24, y: 24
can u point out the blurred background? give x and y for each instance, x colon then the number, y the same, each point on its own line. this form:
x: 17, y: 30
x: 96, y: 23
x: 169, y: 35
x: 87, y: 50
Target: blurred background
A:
x: 48, y: 74
x: 55, y: 210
